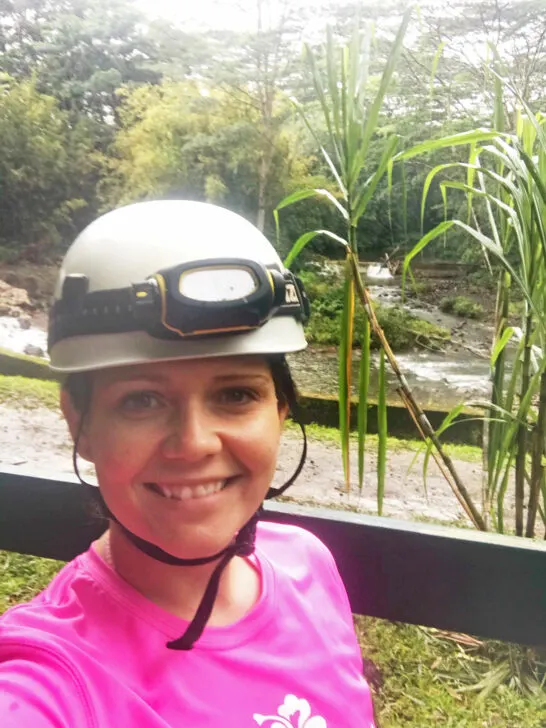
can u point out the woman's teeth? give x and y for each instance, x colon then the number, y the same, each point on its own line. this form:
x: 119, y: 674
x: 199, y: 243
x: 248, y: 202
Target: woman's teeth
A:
x: 186, y: 492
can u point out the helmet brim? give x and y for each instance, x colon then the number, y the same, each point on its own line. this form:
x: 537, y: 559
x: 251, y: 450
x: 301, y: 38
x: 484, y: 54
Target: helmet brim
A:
x: 281, y: 335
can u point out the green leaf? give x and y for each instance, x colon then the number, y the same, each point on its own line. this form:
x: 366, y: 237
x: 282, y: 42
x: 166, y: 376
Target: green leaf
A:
x: 364, y: 195
x: 454, y: 140
x: 333, y: 130
x: 440, y: 229
x: 447, y: 422
x: 323, y: 151
x: 305, y: 194
x: 500, y: 344
x: 434, y: 66
x: 333, y: 89
x: 305, y: 239
x: 373, y: 113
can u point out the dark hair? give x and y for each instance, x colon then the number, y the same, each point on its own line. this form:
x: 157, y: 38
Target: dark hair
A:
x: 79, y: 386
x: 285, y: 387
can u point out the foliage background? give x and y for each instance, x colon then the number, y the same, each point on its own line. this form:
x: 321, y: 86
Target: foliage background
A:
x: 101, y: 105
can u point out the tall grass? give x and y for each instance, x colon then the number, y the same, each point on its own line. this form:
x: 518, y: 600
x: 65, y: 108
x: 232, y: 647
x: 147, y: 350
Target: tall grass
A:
x: 351, y: 111
x: 506, y: 174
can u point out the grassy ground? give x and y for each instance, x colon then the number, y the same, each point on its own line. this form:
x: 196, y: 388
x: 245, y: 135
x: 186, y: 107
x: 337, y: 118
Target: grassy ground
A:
x: 419, y: 677
x: 22, y: 576
x: 330, y: 435
x: 424, y: 678
x: 29, y: 393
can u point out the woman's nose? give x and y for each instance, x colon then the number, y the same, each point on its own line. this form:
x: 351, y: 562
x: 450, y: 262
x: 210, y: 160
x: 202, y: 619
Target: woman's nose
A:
x: 193, y: 434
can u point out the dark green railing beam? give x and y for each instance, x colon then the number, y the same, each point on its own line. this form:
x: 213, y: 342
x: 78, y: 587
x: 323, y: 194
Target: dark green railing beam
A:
x: 454, y: 579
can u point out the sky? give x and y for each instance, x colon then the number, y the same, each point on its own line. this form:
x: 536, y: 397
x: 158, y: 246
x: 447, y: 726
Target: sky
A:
x: 231, y: 14
x: 218, y: 13
x: 242, y: 14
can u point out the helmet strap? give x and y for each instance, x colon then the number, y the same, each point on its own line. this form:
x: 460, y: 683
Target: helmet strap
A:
x: 275, y: 492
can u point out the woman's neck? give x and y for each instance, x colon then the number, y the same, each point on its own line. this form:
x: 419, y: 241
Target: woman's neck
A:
x: 179, y: 589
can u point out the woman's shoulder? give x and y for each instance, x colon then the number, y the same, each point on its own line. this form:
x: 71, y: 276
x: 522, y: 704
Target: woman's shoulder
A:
x: 38, y: 675
x: 289, y: 543
x: 300, y: 564
x: 40, y: 686
x: 287, y: 533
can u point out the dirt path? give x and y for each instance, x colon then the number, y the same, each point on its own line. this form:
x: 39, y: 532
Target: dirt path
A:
x: 37, y: 441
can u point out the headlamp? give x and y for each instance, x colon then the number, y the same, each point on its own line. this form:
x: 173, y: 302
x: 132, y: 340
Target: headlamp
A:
x: 200, y: 298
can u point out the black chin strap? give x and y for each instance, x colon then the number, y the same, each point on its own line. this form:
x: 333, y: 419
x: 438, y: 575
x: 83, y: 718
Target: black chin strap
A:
x: 242, y: 545
x: 275, y: 492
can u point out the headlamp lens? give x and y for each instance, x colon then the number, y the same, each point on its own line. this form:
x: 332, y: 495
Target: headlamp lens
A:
x: 217, y: 284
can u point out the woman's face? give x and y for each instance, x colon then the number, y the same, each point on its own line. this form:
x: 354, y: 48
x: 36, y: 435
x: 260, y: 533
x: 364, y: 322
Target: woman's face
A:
x: 184, y: 451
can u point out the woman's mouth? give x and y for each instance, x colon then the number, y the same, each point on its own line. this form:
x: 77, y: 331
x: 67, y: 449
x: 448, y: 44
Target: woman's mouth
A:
x: 187, y: 492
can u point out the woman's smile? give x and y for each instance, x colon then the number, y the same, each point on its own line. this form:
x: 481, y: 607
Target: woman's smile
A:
x: 177, y: 492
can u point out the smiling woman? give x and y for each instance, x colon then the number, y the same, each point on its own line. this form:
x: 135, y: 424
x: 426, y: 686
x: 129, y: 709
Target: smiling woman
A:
x: 187, y: 611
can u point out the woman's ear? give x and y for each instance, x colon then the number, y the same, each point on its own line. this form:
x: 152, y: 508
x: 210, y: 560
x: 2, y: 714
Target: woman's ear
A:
x: 283, y: 411
x: 74, y: 421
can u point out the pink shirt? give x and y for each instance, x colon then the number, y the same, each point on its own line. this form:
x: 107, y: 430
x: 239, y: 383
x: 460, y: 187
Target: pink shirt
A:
x: 89, y: 652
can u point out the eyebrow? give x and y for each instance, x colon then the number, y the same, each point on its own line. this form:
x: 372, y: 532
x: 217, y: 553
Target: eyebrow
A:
x: 242, y: 375
x: 136, y: 378
x: 160, y: 379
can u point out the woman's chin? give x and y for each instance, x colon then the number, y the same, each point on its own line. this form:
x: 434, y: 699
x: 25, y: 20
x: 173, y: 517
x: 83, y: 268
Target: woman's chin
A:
x: 192, y: 546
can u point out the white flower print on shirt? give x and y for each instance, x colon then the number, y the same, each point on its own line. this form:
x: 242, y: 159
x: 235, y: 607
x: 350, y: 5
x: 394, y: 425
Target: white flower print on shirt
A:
x: 287, y: 712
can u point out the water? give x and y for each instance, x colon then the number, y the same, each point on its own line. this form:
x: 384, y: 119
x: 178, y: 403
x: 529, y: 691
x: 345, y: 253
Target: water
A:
x: 378, y: 272
x: 437, y: 381
x: 17, y: 339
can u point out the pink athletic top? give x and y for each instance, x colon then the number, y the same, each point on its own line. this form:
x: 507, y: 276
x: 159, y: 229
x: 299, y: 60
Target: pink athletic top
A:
x: 89, y: 652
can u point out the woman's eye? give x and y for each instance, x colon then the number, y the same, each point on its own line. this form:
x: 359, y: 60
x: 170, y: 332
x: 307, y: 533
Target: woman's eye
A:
x: 140, y: 401
x: 238, y: 396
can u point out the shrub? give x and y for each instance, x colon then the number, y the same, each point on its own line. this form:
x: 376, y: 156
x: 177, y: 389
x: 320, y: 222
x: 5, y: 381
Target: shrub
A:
x: 402, y: 329
x: 461, y: 306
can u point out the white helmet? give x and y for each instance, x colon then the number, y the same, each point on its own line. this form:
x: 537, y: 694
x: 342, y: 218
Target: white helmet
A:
x: 172, y: 279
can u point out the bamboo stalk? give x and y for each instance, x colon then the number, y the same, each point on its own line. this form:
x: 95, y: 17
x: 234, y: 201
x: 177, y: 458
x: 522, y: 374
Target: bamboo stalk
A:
x: 382, y: 427
x: 449, y: 471
x: 345, y: 375
x: 521, y: 453
x: 363, y: 386
x: 537, y: 466
x: 494, y: 430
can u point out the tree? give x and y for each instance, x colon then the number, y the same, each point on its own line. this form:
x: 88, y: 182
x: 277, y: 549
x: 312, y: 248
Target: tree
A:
x: 79, y: 51
x: 256, y: 67
x: 45, y: 167
x: 179, y: 138
x: 465, y: 35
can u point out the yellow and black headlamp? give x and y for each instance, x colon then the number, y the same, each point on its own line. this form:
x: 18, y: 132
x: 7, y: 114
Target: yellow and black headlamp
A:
x: 201, y: 298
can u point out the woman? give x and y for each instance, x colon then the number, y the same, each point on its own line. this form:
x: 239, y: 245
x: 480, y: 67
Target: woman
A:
x: 170, y: 323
